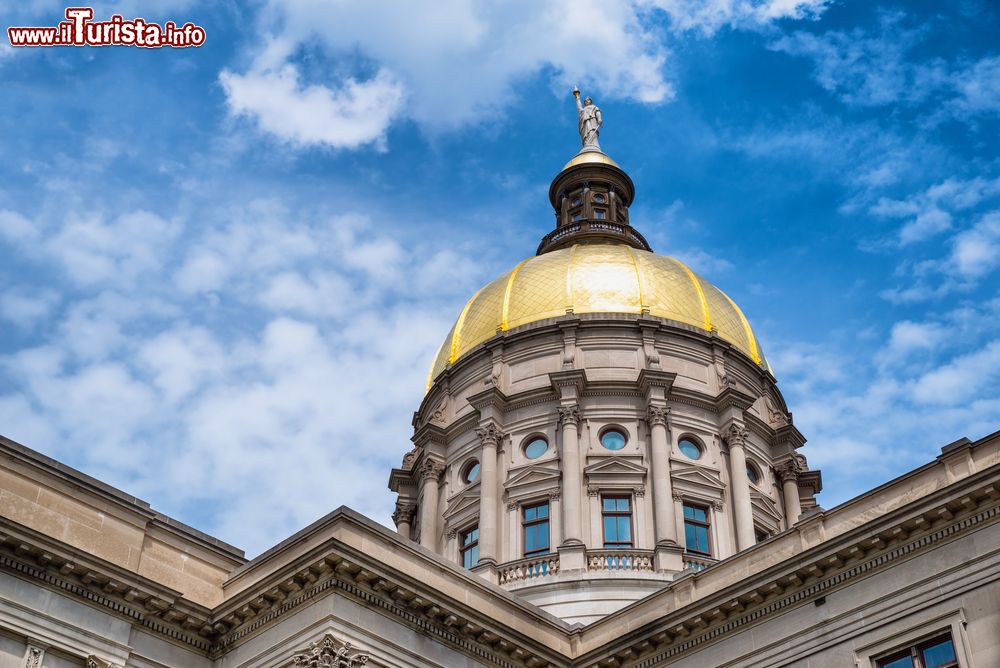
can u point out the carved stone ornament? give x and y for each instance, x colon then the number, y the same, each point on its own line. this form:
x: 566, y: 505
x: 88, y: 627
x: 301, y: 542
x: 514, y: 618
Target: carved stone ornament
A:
x: 97, y: 662
x: 593, y: 491
x: 440, y: 412
x: 431, y: 469
x: 452, y: 534
x: 657, y: 415
x: 677, y: 496
x: 512, y: 506
x: 489, y: 435
x: 736, y: 435
x: 330, y: 653
x: 639, y: 492
x: 569, y: 414
x: 405, y: 510
x: 555, y: 496
x: 33, y: 657
x: 718, y: 506
x: 789, y: 470
x: 411, y: 457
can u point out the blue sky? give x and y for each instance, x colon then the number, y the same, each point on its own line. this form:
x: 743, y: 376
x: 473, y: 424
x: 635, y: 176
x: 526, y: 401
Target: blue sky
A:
x: 226, y: 269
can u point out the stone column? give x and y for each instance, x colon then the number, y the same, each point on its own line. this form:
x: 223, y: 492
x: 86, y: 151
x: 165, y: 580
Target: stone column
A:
x: 736, y: 437
x: 489, y: 437
x: 789, y: 474
x: 403, y: 517
x: 572, y: 525
x: 668, y: 552
x: 430, y: 473
x: 572, y: 550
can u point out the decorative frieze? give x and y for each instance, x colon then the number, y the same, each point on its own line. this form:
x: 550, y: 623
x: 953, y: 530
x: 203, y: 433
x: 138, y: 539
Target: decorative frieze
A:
x: 330, y: 653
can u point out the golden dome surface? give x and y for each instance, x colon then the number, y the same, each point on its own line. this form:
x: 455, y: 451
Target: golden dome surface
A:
x: 590, y: 157
x: 596, y: 278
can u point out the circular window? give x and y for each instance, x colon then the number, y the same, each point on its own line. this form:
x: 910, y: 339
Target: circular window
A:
x: 689, y: 448
x: 752, y: 474
x: 536, y: 448
x: 471, y: 473
x: 613, y: 439
x: 600, y: 199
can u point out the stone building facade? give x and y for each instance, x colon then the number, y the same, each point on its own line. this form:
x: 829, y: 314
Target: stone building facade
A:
x: 604, y: 474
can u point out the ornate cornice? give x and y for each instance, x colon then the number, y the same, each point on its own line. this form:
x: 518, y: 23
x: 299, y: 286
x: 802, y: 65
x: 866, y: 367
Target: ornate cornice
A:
x: 330, y: 653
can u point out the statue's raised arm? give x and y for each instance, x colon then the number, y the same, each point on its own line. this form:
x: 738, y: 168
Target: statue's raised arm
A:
x: 590, y: 120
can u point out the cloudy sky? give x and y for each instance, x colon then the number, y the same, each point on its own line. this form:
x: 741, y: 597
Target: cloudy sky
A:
x: 225, y: 270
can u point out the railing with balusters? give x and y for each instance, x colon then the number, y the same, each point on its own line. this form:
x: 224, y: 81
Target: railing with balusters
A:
x: 529, y: 569
x: 620, y: 560
x: 697, y: 562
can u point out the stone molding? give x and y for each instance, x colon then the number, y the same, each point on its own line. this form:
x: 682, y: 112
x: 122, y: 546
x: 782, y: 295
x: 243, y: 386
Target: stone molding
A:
x: 98, y: 662
x: 330, y: 653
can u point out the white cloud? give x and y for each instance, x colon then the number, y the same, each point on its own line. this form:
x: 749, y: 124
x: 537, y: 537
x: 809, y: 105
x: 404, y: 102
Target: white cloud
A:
x: 961, y: 379
x: 458, y: 62
x: 976, y: 252
x: 352, y: 115
x: 929, y: 213
x: 866, y: 69
x: 279, y: 368
x: 25, y: 306
x: 708, y: 16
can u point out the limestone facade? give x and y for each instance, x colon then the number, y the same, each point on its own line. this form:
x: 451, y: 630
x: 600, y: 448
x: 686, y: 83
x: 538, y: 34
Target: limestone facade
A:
x: 908, y: 560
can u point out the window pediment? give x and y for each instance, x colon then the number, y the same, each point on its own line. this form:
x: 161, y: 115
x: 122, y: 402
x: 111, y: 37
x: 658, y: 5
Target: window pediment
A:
x: 615, y: 472
x: 532, y: 481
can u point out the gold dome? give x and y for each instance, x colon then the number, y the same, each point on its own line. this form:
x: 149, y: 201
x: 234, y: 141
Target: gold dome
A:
x: 596, y: 278
x: 590, y: 157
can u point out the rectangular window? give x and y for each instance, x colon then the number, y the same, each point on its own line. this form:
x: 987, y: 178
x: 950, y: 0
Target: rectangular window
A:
x: 600, y: 214
x: 696, y: 529
x: 938, y: 652
x: 616, y: 511
x: 535, y: 521
x: 760, y: 535
x: 470, y: 547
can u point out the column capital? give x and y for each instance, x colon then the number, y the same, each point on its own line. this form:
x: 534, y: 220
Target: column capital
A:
x: 431, y: 469
x: 570, y: 415
x: 736, y: 435
x: 405, y: 510
x: 789, y: 470
x: 658, y: 415
x: 489, y: 434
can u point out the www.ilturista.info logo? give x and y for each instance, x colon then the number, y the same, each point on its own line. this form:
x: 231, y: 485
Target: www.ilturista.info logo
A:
x: 80, y: 30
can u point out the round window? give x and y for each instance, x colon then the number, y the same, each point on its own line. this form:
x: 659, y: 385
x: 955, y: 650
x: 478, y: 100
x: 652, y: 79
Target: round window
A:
x: 536, y: 448
x: 613, y: 439
x: 471, y: 472
x: 600, y: 199
x: 689, y: 448
x: 752, y: 474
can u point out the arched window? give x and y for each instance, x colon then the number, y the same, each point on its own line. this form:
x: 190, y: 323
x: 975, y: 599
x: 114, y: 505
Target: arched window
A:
x: 753, y: 474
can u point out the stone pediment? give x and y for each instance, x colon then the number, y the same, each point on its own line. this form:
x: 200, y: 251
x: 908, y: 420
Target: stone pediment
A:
x: 615, y: 472
x: 765, y: 506
x: 467, y: 499
x: 615, y: 466
x: 695, y: 477
x: 531, y: 481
